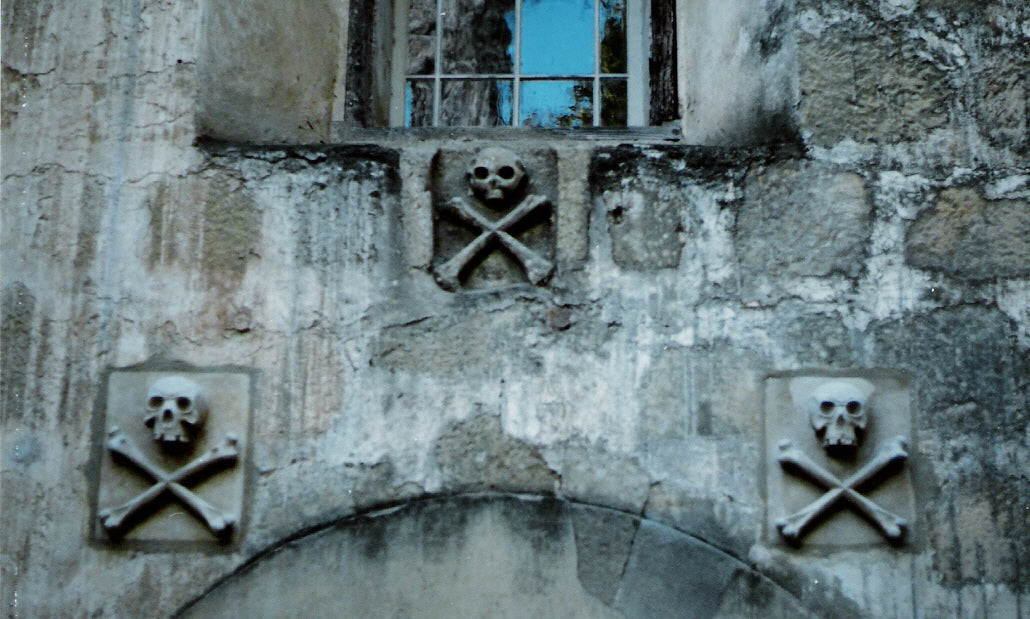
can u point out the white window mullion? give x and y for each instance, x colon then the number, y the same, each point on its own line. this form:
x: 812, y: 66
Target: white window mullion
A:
x: 597, y: 63
x: 516, y: 86
x: 638, y: 49
x: 399, y: 65
x: 437, y: 62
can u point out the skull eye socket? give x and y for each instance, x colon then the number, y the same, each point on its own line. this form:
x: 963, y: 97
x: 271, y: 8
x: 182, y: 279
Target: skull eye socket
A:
x: 183, y: 403
x: 826, y: 406
x: 853, y: 407
x: 480, y: 172
x: 155, y: 401
x: 506, y: 172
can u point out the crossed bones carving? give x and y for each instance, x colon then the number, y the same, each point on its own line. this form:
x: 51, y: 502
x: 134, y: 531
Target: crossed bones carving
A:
x: 117, y: 520
x: 794, y: 461
x: 538, y: 269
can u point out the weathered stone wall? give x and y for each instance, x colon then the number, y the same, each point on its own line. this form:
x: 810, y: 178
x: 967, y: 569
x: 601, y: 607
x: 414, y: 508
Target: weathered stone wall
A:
x: 891, y: 231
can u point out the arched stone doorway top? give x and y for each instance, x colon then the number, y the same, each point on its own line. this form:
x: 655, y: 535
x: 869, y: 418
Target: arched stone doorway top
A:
x: 495, y: 556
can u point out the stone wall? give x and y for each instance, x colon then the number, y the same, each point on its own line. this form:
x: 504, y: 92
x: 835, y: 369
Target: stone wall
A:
x: 886, y: 235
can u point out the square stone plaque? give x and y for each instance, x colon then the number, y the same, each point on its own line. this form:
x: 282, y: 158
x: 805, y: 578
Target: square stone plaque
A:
x: 789, y: 399
x: 494, y: 212
x: 209, y: 497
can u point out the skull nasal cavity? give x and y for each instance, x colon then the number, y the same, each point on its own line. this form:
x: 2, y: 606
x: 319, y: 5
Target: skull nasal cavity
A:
x: 167, y: 416
x: 481, y: 172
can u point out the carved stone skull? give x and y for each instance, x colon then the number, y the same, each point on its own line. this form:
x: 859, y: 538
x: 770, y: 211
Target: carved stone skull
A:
x: 838, y: 411
x: 495, y: 174
x: 176, y: 409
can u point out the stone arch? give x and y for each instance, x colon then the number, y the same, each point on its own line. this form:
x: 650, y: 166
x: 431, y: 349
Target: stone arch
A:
x: 495, y: 556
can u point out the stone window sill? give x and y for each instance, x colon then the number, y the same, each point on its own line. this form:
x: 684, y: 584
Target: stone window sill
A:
x: 402, y: 136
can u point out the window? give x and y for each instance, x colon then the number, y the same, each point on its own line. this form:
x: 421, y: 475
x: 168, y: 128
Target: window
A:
x: 541, y: 63
x: 564, y: 64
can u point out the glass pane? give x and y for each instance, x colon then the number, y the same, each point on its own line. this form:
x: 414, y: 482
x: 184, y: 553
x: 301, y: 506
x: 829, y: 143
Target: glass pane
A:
x: 476, y: 36
x: 613, y: 103
x: 421, y: 36
x: 475, y: 103
x: 613, y: 36
x: 418, y: 104
x: 557, y: 37
x: 556, y: 104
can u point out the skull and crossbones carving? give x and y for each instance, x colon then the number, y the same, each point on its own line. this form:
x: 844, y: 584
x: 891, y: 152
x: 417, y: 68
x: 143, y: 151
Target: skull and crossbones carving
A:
x: 496, y: 177
x: 175, y: 410
x: 839, y: 414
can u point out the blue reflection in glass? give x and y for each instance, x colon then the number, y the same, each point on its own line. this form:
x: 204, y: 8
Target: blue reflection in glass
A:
x: 613, y: 36
x: 557, y: 37
x: 407, y: 105
x: 556, y: 104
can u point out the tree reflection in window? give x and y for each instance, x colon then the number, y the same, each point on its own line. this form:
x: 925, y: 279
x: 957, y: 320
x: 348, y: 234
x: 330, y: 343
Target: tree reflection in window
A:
x: 539, y: 63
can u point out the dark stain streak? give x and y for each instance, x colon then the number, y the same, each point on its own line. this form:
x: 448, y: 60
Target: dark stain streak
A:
x: 18, y: 307
x: 771, y: 40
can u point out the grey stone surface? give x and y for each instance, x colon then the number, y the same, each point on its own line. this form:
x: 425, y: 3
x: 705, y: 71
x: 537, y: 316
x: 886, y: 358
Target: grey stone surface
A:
x: 18, y: 307
x: 751, y: 597
x: 750, y: 52
x: 647, y: 201
x: 475, y: 558
x: 801, y: 220
x: 671, y: 575
x: 974, y: 400
x: 249, y: 68
x: 477, y: 455
x: 633, y: 382
x: 494, y: 557
x: 966, y: 236
x: 1002, y: 85
x: 593, y: 476
x: 603, y: 544
x: 866, y: 86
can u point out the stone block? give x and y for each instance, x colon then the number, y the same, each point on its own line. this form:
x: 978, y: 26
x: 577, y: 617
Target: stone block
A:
x: 802, y: 219
x: 671, y: 575
x: 604, y: 540
x: 751, y: 596
x: 646, y: 196
x: 594, y: 476
x: 645, y: 227
x: 868, y: 87
x: 967, y: 236
x: 794, y: 403
x: 1003, y: 91
x: 477, y: 455
x: 159, y: 484
x: 961, y: 357
x: 266, y: 74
